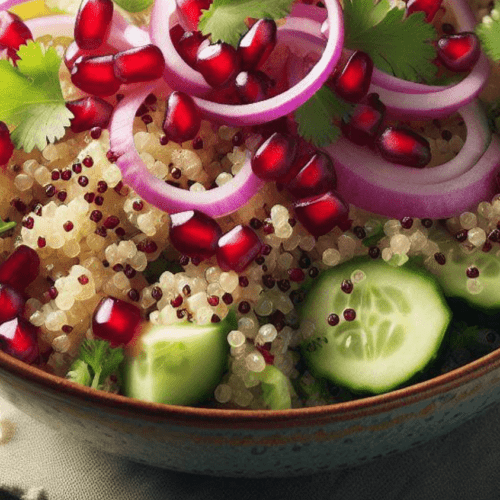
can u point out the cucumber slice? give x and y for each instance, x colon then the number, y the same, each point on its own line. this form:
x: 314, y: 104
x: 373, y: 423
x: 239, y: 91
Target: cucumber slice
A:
x: 482, y: 292
x: 401, y: 319
x: 178, y: 364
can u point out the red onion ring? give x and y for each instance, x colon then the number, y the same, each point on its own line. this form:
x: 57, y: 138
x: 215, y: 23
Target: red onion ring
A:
x: 433, y: 101
x: 122, y: 35
x: 214, y: 202
x: 186, y: 79
x: 178, y: 74
x: 367, y: 189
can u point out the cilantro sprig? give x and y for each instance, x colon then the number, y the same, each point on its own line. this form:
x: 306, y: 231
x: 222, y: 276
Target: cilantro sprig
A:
x: 96, y: 362
x: 316, y: 117
x: 397, y: 45
x: 31, y: 97
x: 488, y: 32
x: 225, y: 19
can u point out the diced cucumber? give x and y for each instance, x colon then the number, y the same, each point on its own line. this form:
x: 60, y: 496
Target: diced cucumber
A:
x: 276, y: 388
x: 178, y: 364
x: 400, y: 321
x: 482, y: 292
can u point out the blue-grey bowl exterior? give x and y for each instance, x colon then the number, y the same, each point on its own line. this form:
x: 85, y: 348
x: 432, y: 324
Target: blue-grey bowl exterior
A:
x: 255, y: 443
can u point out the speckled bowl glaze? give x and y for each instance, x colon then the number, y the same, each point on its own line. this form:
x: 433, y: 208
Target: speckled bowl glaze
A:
x: 255, y: 443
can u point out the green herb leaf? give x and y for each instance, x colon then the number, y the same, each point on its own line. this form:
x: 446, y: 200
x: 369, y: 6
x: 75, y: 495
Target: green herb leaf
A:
x: 134, y: 5
x: 96, y: 362
x: 315, y: 117
x: 488, y: 32
x: 397, y: 45
x: 79, y: 373
x: 6, y: 226
x: 225, y: 19
x: 32, y: 99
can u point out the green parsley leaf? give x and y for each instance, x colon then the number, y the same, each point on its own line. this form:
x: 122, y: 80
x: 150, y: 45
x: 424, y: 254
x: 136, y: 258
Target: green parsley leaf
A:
x: 32, y: 99
x: 100, y: 359
x: 488, y: 32
x: 134, y: 5
x: 397, y: 45
x: 315, y: 117
x: 225, y: 19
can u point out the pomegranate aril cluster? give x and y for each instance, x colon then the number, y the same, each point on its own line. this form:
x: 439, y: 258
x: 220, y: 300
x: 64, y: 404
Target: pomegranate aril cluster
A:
x: 234, y: 72
x: 13, y: 34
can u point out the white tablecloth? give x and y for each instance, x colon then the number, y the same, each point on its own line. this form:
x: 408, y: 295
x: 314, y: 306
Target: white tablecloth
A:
x: 37, y: 463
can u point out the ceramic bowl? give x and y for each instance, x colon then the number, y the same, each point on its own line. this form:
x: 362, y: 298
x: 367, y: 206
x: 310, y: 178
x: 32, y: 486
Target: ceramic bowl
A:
x: 255, y: 443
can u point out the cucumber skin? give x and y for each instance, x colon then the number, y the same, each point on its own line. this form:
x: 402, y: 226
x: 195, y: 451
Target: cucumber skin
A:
x: 416, y: 372
x: 193, y: 380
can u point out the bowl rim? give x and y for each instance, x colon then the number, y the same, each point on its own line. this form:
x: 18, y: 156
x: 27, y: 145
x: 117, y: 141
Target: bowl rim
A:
x: 192, y: 416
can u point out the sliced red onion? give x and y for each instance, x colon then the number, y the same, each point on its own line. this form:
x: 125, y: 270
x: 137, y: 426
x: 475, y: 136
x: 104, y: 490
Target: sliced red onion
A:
x: 178, y: 74
x: 291, y: 99
x: 425, y: 101
x: 214, y: 202
x: 431, y: 100
x: 363, y: 186
x: 476, y: 143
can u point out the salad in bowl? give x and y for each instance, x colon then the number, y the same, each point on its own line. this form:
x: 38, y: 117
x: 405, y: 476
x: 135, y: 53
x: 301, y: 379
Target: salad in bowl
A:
x: 259, y: 205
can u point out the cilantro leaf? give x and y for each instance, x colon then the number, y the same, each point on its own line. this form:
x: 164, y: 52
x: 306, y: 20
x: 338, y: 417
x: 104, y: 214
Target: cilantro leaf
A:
x: 80, y: 373
x: 225, y: 19
x: 96, y: 362
x: 315, y: 117
x: 397, y: 45
x: 488, y: 32
x: 32, y: 99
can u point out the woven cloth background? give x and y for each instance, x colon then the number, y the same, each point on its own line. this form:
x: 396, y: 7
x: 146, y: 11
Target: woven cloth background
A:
x: 36, y: 463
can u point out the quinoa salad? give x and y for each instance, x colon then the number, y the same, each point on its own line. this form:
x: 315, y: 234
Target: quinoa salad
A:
x: 276, y: 206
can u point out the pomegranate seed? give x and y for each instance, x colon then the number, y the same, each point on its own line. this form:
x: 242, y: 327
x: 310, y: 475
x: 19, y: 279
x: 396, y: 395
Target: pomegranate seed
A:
x: 182, y: 119
x: 89, y: 112
x: 189, y: 12
x: 95, y: 75
x: 404, y: 147
x: 11, y: 303
x: 316, y: 177
x: 93, y: 23
x: 296, y: 274
x: 194, y: 234
x: 268, y: 357
x: 13, y: 33
x: 176, y: 32
x: 6, y: 145
x: 18, y: 338
x: 320, y: 214
x: 256, y: 45
x: 218, y: 63
x: 73, y: 53
x: 116, y: 321
x: 275, y: 157
x: 111, y: 222
x: 189, y: 45
x: 140, y: 64
x: 252, y: 86
x: 95, y: 132
x: 429, y: 7
x: 363, y: 125
x: 472, y: 272
x: 459, y: 52
x: 21, y: 268
x: 333, y: 319
x: 349, y: 314
x: 238, y: 248
x: 353, y: 80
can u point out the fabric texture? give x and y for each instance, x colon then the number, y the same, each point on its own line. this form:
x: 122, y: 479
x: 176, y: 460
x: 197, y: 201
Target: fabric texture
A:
x: 37, y: 463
